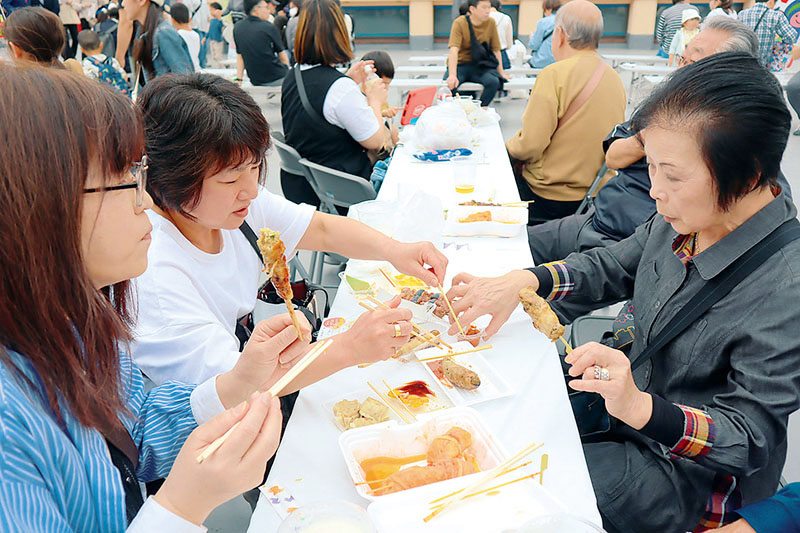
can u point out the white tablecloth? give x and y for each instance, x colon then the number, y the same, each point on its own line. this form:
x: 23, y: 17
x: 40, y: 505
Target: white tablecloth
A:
x: 309, y: 462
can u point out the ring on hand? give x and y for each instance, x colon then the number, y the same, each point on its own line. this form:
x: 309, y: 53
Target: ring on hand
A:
x: 397, y: 331
x: 601, y: 373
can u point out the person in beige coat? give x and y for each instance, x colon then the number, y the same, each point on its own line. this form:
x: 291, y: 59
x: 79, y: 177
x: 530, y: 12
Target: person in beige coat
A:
x: 575, y: 102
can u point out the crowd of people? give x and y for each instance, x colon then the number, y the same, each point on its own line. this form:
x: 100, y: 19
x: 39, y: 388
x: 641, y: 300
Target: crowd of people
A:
x: 152, y: 276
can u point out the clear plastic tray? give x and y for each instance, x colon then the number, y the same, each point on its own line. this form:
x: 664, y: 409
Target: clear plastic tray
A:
x: 414, y: 439
x: 506, y: 221
x: 493, y: 384
x: 503, y: 510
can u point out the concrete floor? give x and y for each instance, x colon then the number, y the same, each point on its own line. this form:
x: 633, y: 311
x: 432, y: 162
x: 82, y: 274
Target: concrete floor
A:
x: 234, y: 516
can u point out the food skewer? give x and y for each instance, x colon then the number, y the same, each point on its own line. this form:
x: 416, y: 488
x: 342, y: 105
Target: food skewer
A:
x: 451, y: 354
x: 405, y: 407
x: 452, y: 313
x: 419, y: 329
x: 542, y: 468
x: 273, y: 252
x: 389, y: 403
x: 566, y: 344
x: 275, y: 390
x: 506, y: 471
x: 542, y: 315
x: 392, y: 282
x: 491, y: 474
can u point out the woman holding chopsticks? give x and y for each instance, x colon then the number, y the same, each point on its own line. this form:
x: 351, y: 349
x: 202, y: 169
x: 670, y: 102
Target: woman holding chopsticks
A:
x: 205, y: 141
x: 77, y: 429
x: 699, y: 406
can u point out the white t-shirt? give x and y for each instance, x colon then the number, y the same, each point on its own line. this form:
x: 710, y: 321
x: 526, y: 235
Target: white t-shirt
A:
x: 193, y: 42
x: 346, y: 106
x: 505, y: 29
x: 718, y: 11
x: 189, y: 301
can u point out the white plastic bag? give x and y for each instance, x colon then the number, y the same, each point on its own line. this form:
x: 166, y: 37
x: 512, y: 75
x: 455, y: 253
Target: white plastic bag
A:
x: 443, y: 127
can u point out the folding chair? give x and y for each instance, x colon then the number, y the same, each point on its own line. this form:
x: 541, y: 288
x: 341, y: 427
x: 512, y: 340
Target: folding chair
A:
x: 588, y: 200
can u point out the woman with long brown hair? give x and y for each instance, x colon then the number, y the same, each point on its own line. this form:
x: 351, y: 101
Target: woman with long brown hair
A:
x: 35, y: 34
x: 158, y: 48
x: 77, y: 429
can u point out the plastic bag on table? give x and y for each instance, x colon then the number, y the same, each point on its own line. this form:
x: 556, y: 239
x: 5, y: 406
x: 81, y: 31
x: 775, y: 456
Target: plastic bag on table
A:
x: 423, y: 217
x: 442, y: 127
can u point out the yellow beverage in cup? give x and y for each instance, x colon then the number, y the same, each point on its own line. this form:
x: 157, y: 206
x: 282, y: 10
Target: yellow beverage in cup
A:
x: 464, y: 174
x: 465, y: 188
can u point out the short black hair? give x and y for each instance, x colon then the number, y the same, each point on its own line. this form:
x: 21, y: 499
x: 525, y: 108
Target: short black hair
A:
x: 89, y: 40
x: 736, y: 110
x: 197, y: 125
x: 382, y: 62
x: 215, y: 5
x: 463, y: 9
x: 250, y: 4
x: 496, y: 4
x: 474, y: 3
x: 179, y: 12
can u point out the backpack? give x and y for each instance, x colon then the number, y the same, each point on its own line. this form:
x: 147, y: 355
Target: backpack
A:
x: 106, y: 73
x: 107, y: 32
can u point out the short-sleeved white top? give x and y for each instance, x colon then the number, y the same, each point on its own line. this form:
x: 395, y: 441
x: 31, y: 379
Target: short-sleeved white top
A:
x: 189, y: 300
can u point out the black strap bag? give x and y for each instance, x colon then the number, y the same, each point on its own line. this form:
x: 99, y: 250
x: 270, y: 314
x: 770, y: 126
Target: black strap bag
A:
x: 482, y: 55
x: 593, y: 421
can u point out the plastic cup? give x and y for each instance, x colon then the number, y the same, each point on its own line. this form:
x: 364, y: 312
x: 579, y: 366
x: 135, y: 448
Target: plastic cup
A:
x: 325, y: 517
x: 465, y: 172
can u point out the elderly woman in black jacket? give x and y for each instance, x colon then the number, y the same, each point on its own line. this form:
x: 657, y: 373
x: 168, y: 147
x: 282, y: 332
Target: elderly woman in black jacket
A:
x: 700, y: 428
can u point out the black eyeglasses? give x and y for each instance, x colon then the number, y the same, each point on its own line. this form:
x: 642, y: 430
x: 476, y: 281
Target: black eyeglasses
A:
x: 683, y: 61
x: 139, y: 172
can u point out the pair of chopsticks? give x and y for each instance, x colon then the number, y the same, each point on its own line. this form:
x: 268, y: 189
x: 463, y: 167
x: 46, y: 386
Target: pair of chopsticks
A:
x: 275, y: 390
x: 540, y: 473
x: 515, y: 204
x: 405, y: 415
x: 506, y: 466
x: 451, y: 354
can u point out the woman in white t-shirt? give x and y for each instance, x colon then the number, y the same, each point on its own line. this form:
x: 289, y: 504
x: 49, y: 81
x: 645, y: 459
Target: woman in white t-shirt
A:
x: 205, y: 141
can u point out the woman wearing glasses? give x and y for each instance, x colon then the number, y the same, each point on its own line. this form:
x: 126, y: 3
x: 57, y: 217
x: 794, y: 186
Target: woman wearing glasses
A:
x: 78, y: 430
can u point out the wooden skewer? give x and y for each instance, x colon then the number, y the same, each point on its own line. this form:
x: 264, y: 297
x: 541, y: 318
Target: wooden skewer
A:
x: 388, y: 403
x: 275, y: 390
x: 492, y: 474
x: 433, y: 338
x: 526, y: 463
x: 542, y: 468
x: 411, y: 414
x: 517, y: 203
x: 566, y: 344
x: 392, y: 282
x: 452, y: 313
x: 451, y: 354
x: 295, y: 322
x: 490, y: 489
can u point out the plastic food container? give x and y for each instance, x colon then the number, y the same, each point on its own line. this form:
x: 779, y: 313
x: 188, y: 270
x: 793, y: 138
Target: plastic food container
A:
x: 328, y: 516
x: 414, y: 439
x: 493, y: 384
x: 505, y: 221
x: 360, y: 396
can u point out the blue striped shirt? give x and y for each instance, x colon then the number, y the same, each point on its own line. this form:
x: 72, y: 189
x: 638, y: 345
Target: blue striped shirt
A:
x: 56, y: 479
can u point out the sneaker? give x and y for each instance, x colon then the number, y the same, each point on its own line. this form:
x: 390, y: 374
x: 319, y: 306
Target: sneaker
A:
x: 796, y: 132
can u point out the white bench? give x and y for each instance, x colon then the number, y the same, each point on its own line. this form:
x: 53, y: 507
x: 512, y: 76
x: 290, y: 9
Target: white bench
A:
x: 636, y: 71
x: 399, y: 87
x: 432, y: 71
x: 428, y: 60
x: 644, y: 59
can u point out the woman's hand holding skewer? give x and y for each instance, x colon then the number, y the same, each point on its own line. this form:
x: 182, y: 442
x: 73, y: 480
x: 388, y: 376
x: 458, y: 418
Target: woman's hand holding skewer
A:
x: 377, y: 334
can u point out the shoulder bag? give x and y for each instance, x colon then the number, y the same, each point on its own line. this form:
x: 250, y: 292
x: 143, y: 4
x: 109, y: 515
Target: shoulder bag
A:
x: 482, y: 55
x: 591, y: 416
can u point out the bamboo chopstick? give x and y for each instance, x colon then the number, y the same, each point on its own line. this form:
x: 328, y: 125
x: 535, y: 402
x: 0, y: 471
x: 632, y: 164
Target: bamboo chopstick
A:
x: 295, y: 322
x: 388, y: 403
x: 492, y: 474
x: 275, y: 390
x: 502, y: 474
x: 567, y: 347
x: 520, y: 203
x: 392, y: 282
x: 451, y: 354
x: 452, y: 313
x: 540, y: 473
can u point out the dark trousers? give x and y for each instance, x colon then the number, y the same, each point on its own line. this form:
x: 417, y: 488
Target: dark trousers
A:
x: 72, y: 41
x: 543, y: 210
x: 490, y: 79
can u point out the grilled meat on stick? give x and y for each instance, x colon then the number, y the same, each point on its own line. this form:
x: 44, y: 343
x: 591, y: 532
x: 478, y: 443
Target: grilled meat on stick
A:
x: 272, y: 250
x: 544, y: 319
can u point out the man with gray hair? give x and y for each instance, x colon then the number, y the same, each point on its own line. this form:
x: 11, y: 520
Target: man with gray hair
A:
x: 574, y: 104
x: 624, y: 202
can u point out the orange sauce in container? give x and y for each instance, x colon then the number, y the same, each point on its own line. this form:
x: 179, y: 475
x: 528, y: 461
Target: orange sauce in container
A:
x: 377, y: 469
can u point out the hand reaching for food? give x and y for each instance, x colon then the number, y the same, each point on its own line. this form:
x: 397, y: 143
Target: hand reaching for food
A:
x: 376, y: 335
x: 473, y: 297
x: 192, y: 490
x: 412, y: 258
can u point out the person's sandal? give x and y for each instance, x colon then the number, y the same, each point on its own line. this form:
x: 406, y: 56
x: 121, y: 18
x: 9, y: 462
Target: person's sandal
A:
x: 796, y: 132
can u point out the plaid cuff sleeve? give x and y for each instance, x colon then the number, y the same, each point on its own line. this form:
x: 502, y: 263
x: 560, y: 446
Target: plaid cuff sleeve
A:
x: 698, y: 433
x: 563, y: 284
